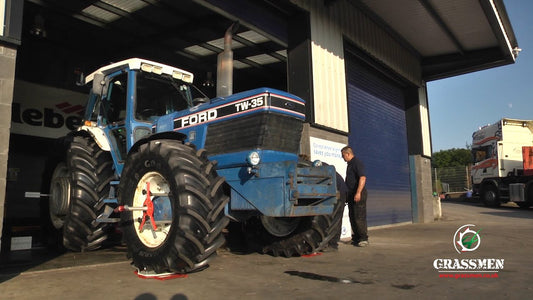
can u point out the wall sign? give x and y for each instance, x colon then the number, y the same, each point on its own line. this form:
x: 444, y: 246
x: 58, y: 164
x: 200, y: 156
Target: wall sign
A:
x: 43, y: 111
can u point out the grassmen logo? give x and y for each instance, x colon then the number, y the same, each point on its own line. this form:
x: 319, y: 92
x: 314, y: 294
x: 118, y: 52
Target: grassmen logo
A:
x: 465, y: 239
x: 474, y: 264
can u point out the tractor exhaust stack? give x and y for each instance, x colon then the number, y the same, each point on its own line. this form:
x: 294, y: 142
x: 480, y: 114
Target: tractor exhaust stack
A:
x: 225, y: 64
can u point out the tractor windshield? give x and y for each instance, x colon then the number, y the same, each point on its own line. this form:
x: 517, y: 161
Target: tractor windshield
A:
x: 159, y: 95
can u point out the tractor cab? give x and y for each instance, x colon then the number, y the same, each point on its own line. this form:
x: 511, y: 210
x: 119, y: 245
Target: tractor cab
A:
x: 128, y: 98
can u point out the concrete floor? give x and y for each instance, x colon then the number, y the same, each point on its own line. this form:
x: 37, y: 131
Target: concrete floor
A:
x: 398, y: 264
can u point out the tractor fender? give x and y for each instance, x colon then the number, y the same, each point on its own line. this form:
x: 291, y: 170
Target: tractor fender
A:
x: 98, y: 135
x: 168, y: 135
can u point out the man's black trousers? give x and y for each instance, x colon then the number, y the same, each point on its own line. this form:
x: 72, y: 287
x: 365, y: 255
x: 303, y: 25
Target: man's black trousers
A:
x: 357, y: 213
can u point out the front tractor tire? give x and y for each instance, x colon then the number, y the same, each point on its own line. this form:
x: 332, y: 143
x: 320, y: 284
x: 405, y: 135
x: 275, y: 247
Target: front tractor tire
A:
x: 180, y: 228
x: 91, y: 171
x: 294, y: 236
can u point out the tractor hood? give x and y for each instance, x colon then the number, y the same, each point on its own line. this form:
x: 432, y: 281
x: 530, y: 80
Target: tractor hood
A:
x: 235, y: 106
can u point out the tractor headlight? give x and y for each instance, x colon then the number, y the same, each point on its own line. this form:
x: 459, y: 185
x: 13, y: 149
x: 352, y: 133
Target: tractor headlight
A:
x: 317, y: 163
x: 253, y: 158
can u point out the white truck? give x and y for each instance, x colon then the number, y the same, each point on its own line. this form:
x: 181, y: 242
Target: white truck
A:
x: 503, y: 162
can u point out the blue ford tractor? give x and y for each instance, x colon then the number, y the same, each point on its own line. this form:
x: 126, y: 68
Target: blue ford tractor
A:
x: 172, y: 168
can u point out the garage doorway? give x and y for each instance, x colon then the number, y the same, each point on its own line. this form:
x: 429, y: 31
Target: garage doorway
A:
x: 378, y: 135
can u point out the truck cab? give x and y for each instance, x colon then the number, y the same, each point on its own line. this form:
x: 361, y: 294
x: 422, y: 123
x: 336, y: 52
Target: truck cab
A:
x: 499, y: 170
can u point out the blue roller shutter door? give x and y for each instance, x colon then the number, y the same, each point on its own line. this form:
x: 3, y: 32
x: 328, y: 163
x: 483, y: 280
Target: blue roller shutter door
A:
x: 376, y: 108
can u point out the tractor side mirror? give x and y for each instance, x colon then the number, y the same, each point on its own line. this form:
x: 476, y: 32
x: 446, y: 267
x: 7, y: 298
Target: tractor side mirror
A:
x: 99, y: 85
x: 80, y: 78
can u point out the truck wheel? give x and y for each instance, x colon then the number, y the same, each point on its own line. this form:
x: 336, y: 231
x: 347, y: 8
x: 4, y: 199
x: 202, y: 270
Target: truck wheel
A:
x: 91, y: 171
x: 295, y: 236
x: 489, y: 196
x: 183, y: 195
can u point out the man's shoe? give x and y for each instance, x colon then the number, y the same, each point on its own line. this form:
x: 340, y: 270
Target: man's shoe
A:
x: 362, y: 244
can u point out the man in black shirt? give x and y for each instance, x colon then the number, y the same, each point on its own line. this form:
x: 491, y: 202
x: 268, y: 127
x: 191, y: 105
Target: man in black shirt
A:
x: 357, y: 194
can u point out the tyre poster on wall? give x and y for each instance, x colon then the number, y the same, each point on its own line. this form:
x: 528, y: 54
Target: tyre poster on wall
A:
x: 44, y: 111
x: 330, y: 153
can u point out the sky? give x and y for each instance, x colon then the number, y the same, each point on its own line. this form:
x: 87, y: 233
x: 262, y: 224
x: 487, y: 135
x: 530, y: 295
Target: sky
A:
x: 459, y: 105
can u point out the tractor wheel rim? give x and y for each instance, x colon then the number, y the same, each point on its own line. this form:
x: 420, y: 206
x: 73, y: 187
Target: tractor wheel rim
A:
x: 159, y: 190
x: 280, y: 226
x: 59, y: 198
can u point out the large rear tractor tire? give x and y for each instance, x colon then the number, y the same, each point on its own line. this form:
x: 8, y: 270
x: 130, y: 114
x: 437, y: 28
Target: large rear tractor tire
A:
x: 59, y: 197
x: 55, y: 196
x: 183, y: 194
x: 91, y: 171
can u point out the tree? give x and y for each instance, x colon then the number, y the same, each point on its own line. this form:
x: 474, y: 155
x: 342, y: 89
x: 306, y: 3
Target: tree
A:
x: 451, y: 158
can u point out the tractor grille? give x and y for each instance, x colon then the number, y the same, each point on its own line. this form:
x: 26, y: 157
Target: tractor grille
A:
x: 265, y: 131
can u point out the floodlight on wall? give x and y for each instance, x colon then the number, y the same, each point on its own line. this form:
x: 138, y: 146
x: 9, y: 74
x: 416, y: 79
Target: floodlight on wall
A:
x: 38, y: 26
x: 209, y: 80
x: 80, y: 77
x: 516, y: 51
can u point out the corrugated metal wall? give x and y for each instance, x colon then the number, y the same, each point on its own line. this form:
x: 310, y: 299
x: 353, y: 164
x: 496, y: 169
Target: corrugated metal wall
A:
x: 378, y: 43
x: 329, y: 81
x: 330, y: 25
x: 378, y: 135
